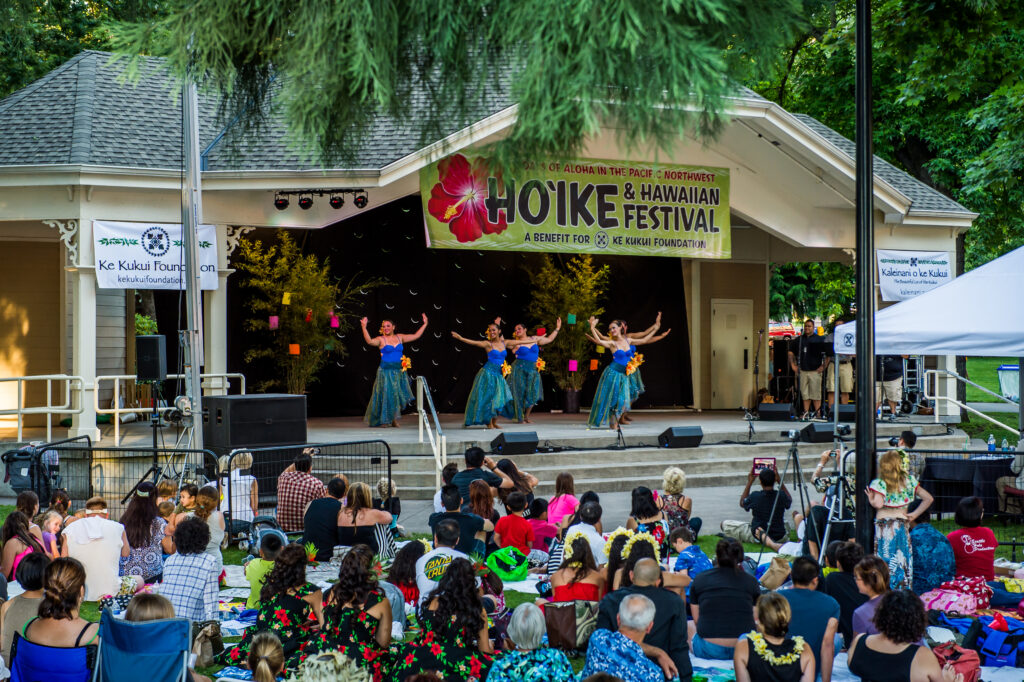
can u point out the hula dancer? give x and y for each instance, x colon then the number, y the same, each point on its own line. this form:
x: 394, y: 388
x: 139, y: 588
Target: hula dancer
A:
x: 612, y: 396
x: 524, y: 380
x: 391, y: 389
x: 636, y: 382
x: 490, y: 395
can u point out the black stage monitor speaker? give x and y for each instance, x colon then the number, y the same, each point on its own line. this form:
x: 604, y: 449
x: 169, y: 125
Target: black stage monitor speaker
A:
x: 515, y: 443
x: 817, y: 432
x: 151, y: 357
x: 775, y: 412
x: 680, y: 437
x: 253, y: 421
x: 847, y: 413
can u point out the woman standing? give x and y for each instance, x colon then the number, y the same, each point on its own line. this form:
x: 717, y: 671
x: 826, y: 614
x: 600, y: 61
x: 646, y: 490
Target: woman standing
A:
x: 890, y: 495
x: 145, y: 531
x: 525, y: 378
x: 636, y: 382
x: 391, y: 389
x: 490, y: 395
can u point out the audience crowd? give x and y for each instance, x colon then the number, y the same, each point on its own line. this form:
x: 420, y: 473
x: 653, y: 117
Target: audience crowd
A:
x: 636, y: 601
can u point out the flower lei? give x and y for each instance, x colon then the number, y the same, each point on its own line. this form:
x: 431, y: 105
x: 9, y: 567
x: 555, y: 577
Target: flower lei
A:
x: 615, y: 534
x: 506, y: 369
x: 761, y: 647
x: 541, y: 365
x: 406, y: 363
x: 645, y: 537
x: 567, y: 551
x: 634, y: 364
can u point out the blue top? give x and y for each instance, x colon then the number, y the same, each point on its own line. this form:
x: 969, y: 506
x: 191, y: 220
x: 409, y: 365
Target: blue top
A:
x: 528, y: 353
x: 389, y: 353
x: 811, y: 612
x: 616, y: 654
x: 622, y: 357
x: 496, y: 357
x: 632, y: 351
x: 693, y: 560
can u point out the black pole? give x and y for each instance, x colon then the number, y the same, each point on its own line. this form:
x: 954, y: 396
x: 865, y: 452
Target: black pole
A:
x: 865, y: 443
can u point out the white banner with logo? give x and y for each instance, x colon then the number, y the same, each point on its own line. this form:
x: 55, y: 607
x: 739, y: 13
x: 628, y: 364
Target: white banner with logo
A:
x: 149, y: 255
x: 906, y: 274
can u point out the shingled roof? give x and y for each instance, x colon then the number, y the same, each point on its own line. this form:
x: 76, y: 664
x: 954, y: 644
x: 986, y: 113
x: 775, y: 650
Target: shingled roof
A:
x: 88, y: 112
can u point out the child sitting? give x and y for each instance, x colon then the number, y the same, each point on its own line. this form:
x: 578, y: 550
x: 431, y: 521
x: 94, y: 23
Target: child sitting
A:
x: 691, y: 560
x: 187, y: 498
x: 50, y: 522
x: 166, y: 490
x: 266, y: 657
x: 388, y: 501
x: 543, y: 530
x: 514, y: 530
x: 166, y: 510
x: 256, y: 570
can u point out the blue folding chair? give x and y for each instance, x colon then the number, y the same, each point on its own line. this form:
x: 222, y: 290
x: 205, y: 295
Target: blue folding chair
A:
x: 154, y: 651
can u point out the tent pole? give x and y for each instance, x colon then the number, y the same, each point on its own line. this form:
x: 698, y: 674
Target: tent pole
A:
x: 865, y: 440
x: 1020, y: 397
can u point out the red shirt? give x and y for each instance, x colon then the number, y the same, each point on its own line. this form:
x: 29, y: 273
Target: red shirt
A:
x: 516, y: 531
x: 975, y: 551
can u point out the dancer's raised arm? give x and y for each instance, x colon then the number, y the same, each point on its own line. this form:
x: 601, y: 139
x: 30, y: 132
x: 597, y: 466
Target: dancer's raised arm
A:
x: 598, y: 338
x: 375, y: 341
x: 479, y: 344
x: 653, y: 328
x: 407, y: 338
x: 545, y: 340
x: 648, y: 339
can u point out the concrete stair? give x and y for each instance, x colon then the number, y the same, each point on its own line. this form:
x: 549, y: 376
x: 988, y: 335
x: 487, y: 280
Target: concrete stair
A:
x: 608, y: 470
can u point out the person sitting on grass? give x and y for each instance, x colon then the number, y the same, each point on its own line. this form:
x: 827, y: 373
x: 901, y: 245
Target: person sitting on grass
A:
x: 527, y: 660
x: 815, y: 615
x: 447, y: 474
x: 841, y: 585
x: 190, y: 574
x: 266, y: 657
x: 620, y: 652
x: 402, y: 573
x: 767, y: 508
x: 768, y: 653
x: 186, y: 498
x: 579, y: 576
x: 23, y: 607
x: 723, y: 600
x: 974, y: 545
x: 256, y: 569
x: 872, y: 575
x: 934, y: 562
x: 692, y: 561
x: 543, y: 530
x: 515, y: 531
x: 146, y: 607
x: 18, y: 543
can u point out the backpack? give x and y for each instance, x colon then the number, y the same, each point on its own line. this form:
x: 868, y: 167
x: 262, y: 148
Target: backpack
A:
x: 509, y: 564
x: 996, y: 647
x: 964, y: 661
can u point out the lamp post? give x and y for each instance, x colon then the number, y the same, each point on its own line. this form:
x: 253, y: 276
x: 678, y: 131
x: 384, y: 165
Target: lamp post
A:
x: 191, y: 214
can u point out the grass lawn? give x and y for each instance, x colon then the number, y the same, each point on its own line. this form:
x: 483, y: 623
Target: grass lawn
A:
x: 981, y: 428
x: 983, y: 371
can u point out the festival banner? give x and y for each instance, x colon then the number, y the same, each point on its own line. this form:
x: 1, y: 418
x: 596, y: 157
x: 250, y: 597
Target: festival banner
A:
x: 583, y: 206
x: 906, y: 274
x: 149, y: 255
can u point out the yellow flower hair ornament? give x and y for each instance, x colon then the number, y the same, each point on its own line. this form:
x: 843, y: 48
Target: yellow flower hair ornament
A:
x: 641, y: 537
x: 567, y: 547
x: 615, y: 534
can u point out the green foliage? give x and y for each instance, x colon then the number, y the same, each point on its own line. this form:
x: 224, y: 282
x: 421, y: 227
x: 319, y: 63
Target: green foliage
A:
x: 807, y: 290
x: 37, y: 36
x: 144, y: 325
x: 269, y: 272
x: 653, y: 70
x: 578, y: 288
x: 948, y: 80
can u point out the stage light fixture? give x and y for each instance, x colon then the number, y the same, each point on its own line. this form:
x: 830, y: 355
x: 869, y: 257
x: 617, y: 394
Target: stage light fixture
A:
x: 306, y: 202
x: 337, y: 201
x: 280, y: 202
x: 361, y: 201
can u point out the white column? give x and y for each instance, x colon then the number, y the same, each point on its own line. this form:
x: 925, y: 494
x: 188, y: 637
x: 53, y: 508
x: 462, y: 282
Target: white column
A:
x: 83, y: 348
x: 215, y: 312
x: 946, y: 385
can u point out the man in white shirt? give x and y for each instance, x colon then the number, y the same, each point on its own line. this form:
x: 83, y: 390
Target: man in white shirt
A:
x: 590, y: 526
x: 432, y: 565
x: 447, y: 474
x: 98, y: 543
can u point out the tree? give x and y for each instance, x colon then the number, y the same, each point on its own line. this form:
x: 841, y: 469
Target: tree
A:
x: 807, y: 290
x: 293, y: 298
x: 653, y: 70
x: 578, y: 289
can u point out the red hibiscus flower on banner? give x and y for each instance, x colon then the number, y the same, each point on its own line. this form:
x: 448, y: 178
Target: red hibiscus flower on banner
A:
x: 458, y: 199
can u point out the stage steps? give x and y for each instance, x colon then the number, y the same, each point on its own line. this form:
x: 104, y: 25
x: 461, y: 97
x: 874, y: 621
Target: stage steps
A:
x: 608, y: 470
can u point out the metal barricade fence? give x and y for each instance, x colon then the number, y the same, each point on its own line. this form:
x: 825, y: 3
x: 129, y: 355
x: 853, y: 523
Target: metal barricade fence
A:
x: 951, y: 475
x: 114, y: 473
x: 366, y: 461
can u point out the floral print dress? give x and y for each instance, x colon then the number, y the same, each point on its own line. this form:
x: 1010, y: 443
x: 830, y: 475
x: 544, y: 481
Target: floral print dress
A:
x: 288, y: 616
x: 444, y: 647
x: 539, y: 665
x: 351, y: 631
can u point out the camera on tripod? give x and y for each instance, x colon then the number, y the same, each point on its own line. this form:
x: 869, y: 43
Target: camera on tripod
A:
x: 843, y: 430
x: 792, y: 434
x: 894, y: 441
x: 180, y: 414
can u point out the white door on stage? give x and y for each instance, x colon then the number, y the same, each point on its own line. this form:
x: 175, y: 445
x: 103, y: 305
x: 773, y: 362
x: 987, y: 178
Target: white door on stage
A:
x: 732, y: 322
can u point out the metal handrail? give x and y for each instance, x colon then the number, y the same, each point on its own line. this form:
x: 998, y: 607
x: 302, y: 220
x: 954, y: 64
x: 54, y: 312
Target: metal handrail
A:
x: 49, y: 408
x: 117, y: 410
x: 438, y: 445
x: 932, y: 375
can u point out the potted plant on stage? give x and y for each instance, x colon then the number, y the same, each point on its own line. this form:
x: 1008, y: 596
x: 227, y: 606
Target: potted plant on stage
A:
x: 299, y: 312
x: 573, y: 291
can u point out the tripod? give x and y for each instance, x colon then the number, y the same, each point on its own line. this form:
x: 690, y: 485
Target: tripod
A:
x: 839, y: 495
x: 799, y: 483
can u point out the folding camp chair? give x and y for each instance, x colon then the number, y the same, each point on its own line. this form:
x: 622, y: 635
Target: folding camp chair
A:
x: 154, y: 651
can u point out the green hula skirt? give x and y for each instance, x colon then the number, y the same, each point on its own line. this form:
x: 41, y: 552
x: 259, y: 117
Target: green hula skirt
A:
x: 636, y: 386
x: 527, y: 390
x: 392, y: 393
x: 612, y: 396
x: 490, y: 396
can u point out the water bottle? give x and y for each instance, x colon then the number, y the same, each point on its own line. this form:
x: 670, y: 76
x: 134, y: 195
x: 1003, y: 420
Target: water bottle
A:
x: 1005, y: 447
x: 991, y: 443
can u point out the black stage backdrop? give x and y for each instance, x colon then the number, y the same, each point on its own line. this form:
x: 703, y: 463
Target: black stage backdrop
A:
x: 464, y: 291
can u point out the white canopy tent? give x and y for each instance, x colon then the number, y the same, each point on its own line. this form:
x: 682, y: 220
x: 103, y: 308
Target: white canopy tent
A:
x: 979, y: 313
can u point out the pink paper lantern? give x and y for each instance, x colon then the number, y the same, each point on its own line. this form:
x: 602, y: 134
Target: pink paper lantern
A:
x: 275, y: 321
x: 335, y: 322
x: 541, y: 331
x: 572, y: 366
